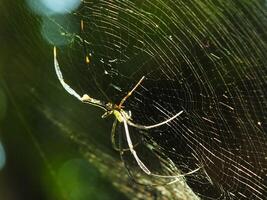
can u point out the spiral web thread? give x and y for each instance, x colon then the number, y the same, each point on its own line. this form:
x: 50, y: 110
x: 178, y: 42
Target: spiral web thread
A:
x: 207, y: 58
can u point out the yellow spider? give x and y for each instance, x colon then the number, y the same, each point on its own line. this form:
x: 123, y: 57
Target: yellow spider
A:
x: 120, y: 115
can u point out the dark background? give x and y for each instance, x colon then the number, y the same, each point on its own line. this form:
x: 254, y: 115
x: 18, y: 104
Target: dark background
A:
x: 58, y: 148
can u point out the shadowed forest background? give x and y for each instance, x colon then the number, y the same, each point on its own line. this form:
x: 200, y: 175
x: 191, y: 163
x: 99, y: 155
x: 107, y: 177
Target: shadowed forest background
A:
x: 205, y: 58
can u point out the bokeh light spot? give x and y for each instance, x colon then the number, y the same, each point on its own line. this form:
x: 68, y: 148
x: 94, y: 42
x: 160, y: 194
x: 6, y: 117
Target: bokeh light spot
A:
x: 51, y: 7
x: 54, y: 34
x: 2, y: 156
x: 81, y: 181
x: 59, y: 6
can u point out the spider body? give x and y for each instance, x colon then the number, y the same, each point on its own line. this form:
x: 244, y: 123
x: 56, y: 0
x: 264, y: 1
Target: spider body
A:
x: 121, y: 115
x: 110, y: 108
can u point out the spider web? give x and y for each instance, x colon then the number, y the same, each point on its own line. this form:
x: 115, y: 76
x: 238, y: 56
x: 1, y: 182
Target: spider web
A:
x: 206, y: 58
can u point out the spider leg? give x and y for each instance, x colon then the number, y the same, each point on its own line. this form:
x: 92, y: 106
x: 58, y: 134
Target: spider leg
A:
x: 154, y: 125
x: 113, y: 132
x: 112, y: 135
x: 130, y: 93
x: 176, y: 176
x: 85, y: 98
x: 130, y: 144
x: 61, y: 79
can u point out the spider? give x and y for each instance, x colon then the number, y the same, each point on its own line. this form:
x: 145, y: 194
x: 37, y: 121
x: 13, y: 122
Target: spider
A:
x: 121, y: 116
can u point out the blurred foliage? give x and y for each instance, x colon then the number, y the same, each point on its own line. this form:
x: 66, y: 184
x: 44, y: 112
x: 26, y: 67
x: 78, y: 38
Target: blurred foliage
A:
x: 41, y: 162
x: 57, y: 148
